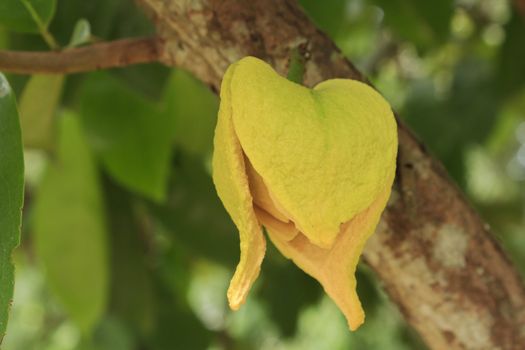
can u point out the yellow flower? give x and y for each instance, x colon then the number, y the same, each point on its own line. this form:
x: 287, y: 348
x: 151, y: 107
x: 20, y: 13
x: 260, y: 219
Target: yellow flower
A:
x: 313, y: 166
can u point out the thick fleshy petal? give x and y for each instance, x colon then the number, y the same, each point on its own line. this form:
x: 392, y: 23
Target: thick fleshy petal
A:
x: 335, y: 268
x: 231, y: 182
x: 261, y: 196
x: 324, y: 153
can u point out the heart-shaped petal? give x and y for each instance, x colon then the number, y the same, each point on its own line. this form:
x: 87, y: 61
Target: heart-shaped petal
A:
x: 324, y: 153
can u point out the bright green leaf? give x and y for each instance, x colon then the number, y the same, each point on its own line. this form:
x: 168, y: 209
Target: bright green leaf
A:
x: 15, y: 16
x: 11, y: 194
x: 69, y: 228
x: 38, y: 104
x: 132, y: 136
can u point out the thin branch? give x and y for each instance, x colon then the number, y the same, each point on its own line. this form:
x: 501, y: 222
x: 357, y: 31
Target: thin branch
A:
x: 104, y: 55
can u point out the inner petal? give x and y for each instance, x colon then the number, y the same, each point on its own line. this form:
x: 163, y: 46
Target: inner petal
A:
x: 335, y: 268
x: 286, y: 230
x: 261, y: 195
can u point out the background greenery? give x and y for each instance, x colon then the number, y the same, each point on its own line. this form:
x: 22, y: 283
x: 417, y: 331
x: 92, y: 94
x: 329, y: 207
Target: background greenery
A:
x: 124, y: 242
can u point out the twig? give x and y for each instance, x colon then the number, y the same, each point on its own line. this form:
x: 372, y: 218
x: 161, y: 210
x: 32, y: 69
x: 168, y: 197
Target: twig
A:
x: 104, y: 55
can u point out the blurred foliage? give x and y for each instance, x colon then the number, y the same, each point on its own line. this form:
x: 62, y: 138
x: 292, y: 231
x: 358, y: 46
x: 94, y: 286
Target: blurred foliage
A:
x: 125, y: 243
x: 70, y: 238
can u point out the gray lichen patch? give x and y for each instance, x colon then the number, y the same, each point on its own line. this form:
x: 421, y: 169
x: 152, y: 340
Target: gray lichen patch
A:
x: 470, y: 327
x: 450, y: 246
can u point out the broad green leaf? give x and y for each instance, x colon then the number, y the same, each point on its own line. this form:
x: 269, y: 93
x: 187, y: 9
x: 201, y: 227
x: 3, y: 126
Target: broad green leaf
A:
x: 132, y: 136
x: 424, y: 23
x: 194, y: 108
x: 11, y: 195
x: 38, y: 104
x: 69, y: 228
x: 15, y: 16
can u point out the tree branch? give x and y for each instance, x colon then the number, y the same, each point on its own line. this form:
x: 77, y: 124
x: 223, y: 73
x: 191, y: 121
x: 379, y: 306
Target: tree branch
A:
x: 104, y: 55
x: 433, y: 253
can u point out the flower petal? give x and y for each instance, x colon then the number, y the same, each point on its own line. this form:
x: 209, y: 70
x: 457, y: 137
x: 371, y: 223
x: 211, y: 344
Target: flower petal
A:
x: 335, y: 268
x: 324, y: 154
x: 261, y: 196
x: 231, y: 182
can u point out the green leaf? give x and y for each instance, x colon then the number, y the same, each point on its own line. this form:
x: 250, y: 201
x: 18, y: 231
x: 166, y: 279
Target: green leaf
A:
x: 69, y: 228
x: 194, y: 108
x: 15, y: 16
x: 38, y: 104
x: 11, y: 195
x: 81, y: 33
x: 132, y: 136
x: 424, y: 23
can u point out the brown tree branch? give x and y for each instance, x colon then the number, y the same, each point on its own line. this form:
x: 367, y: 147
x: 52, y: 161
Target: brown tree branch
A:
x: 104, y: 55
x: 434, y: 254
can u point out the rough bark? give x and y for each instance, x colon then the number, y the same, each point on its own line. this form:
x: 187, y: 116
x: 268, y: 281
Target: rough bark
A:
x: 434, y: 254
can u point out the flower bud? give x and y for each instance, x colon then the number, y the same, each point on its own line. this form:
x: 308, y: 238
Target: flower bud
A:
x: 313, y: 166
